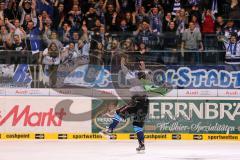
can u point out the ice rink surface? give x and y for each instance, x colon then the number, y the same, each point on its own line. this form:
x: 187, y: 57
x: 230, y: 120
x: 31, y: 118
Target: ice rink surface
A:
x: 118, y: 150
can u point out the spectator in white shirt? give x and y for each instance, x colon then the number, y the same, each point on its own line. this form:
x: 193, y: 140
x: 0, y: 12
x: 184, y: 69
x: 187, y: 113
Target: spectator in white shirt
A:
x: 51, y: 60
x: 232, y: 46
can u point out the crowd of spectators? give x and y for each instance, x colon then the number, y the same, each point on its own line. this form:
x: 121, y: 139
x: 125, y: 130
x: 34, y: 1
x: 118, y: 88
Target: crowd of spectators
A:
x: 158, y: 31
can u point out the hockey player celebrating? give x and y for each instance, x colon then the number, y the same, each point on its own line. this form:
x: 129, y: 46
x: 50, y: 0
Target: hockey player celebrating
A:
x: 138, y: 105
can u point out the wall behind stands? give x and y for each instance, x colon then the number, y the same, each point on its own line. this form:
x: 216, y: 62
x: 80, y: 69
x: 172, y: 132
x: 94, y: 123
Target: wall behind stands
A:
x: 170, y: 118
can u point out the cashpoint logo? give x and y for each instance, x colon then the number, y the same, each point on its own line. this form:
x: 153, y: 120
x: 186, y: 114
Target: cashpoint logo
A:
x: 27, y: 117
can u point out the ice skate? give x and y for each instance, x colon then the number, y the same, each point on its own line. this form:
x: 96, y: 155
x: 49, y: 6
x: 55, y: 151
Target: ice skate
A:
x: 141, y: 147
x: 106, y: 133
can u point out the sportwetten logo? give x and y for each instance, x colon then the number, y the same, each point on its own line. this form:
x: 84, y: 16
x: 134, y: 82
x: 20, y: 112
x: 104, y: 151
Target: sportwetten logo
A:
x: 26, y: 117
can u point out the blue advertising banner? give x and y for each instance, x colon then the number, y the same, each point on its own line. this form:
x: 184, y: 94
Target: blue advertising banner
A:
x: 93, y: 76
x: 201, y: 77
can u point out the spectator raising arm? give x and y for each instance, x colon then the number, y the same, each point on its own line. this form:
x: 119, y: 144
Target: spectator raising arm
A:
x: 40, y: 23
x: 105, y: 6
x: 232, y: 47
x: 117, y: 6
x: 33, y: 13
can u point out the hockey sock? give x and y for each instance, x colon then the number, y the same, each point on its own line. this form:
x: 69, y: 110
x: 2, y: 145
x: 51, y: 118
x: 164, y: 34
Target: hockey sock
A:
x: 116, y: 119
x: 140, y: 134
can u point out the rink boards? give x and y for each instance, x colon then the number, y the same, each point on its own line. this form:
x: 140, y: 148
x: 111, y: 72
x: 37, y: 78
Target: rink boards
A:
x: 81, y: 118
x: 117, y: 136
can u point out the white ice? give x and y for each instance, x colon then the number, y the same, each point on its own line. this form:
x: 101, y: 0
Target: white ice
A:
x: 118, y: 150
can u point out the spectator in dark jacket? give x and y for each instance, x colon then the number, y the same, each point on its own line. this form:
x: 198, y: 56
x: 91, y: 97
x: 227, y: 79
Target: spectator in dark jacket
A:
x: 171, y: 39
x: 34, y: 38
